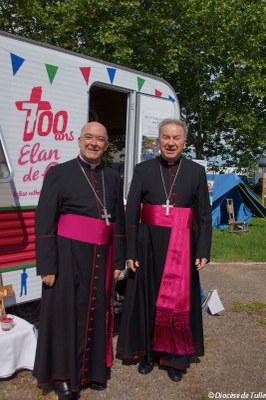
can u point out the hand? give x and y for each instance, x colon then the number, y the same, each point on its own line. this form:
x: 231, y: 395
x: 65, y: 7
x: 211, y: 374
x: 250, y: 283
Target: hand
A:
x: 48, y: 280
x: 200, y: 263
x: 117, y: 273
x: 132, y: 264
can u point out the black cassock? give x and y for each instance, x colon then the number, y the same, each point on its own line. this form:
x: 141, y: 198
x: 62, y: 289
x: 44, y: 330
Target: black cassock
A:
x: 149, y: 243
x: 72, y: 334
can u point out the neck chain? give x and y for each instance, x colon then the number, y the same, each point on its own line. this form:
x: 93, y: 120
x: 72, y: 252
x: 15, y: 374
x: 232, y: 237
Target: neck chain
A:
x: 105, y: 215
x: 167, y: 205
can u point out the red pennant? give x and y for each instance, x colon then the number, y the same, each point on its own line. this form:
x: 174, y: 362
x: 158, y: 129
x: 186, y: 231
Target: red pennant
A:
x: 158, y: 93
x: 86, y: 73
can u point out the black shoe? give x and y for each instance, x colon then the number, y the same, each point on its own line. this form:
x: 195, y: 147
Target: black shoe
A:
x: 97, y: 386
x: 174, y: 374
x: 145, y: 367
x: 63, y: 391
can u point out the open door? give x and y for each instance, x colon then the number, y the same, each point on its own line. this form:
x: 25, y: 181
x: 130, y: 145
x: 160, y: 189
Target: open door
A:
x: 109, y: 107
x: 150, y: 112
x: 6, y: 171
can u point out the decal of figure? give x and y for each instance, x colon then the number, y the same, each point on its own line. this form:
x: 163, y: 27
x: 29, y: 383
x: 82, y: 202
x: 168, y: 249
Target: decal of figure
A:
x: 24, y: 277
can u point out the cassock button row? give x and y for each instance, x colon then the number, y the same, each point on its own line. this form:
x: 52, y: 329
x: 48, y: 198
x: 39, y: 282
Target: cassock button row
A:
x: 91, y: 318
x: 98, y: 255
x: 93, y: 298
x: 95, y: 287
x: 96, y: 277
x: 98, y: 266
x: 90, y: 329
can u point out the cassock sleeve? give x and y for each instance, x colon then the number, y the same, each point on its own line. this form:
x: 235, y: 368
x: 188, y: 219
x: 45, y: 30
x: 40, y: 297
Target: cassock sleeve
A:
x: 133, y: 215
x: 46, y: 220
x: 203, y: 219
x: 119, y: 235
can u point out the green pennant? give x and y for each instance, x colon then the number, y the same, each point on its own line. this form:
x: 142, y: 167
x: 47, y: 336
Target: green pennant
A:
x: 51, y: 71
x: 141, y: 82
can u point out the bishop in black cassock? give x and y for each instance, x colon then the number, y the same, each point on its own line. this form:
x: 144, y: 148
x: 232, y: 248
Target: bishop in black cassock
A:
x: 162, y: 318
x: 75, y: 334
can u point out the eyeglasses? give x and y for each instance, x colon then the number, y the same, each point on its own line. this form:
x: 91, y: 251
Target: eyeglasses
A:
x: 98, y: 139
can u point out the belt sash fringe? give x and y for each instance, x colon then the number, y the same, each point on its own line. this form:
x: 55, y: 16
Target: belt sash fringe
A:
x: 172, y: 333
x: 95, y: 231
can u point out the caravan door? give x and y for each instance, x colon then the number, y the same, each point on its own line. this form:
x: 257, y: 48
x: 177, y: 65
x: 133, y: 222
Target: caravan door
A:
x: 150, y: 111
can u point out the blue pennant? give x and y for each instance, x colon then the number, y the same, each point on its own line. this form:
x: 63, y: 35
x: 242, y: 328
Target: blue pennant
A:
x: 16, y: 62
x: 171, y: 98
x: 111, y: 73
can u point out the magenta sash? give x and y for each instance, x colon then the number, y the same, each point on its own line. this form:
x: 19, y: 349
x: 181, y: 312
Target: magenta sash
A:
x: 172, y: 333
x: 84, y: 229
x: 95, y: 231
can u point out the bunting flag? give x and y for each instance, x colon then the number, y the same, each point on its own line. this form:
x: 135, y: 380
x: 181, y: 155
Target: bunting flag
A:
x: 111, y: 73
x: 86, y: 73
x: 51, y: 71
x: 157, y: 93
x: 141, y: 82
x: 16, y: 62
x: 171, y: 98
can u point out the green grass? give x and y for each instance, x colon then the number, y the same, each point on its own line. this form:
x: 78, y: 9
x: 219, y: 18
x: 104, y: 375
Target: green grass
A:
x: 256, y: 308
x: 241, y: 247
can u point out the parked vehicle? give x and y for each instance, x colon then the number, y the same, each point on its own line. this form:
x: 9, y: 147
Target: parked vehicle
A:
x: 46, y: 95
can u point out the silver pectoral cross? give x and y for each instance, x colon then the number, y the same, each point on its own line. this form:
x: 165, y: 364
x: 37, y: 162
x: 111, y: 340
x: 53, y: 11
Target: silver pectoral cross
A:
x: 167, y: 206
x: 106, y: 216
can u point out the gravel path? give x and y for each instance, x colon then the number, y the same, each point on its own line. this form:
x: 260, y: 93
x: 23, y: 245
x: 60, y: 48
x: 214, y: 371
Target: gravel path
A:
x: 234, y: 365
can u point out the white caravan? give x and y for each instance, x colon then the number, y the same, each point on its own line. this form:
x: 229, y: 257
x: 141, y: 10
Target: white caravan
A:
x: 46, y: 95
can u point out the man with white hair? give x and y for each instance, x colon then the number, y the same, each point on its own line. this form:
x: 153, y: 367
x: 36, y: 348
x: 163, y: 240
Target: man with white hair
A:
x: 168, y: 226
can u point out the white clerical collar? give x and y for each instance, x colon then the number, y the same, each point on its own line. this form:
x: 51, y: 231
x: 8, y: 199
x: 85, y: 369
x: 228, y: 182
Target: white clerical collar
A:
x: 93, y: 166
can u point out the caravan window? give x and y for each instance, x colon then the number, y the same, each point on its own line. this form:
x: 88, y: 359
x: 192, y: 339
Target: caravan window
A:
x: 5, y: 168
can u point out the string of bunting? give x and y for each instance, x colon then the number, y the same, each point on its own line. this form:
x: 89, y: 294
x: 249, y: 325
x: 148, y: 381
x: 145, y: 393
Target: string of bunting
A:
x: 18, y: 61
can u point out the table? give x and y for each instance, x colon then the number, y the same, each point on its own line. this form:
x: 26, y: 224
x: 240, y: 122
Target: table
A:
x: 17, y: 347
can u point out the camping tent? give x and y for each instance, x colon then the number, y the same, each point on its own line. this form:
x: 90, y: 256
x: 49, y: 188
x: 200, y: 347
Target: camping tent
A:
x: 246, y: 203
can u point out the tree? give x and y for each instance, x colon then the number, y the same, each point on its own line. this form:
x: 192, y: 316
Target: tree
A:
x: 211, y: 51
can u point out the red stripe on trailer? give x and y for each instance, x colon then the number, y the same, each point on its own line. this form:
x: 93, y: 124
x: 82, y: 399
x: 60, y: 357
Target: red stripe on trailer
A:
x: 17, y: 239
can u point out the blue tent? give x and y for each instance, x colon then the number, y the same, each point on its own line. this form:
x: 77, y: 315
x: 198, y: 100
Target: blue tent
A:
x: 246, y: 203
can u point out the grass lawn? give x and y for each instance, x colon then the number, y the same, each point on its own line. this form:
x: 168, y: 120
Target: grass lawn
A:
x: 250, y: 246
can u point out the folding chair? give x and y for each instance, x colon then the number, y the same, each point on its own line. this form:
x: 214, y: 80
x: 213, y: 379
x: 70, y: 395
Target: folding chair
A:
x: 234, y: 226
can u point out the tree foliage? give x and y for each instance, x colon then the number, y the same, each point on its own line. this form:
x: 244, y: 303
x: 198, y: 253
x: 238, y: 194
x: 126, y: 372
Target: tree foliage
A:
x: 211, y: 51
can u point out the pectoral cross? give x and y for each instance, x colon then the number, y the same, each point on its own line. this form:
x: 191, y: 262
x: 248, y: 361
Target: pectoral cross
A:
x: 4, y: 292
x: 167, y: 206
x: 106, y: 217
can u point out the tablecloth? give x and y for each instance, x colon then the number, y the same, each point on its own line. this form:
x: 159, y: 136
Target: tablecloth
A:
x: 17, y: 347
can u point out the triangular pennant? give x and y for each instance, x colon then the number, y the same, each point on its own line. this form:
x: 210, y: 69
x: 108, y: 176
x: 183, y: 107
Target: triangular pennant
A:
x: 111, y: 73
x: 86, y: 73
x: 171, y: 98
x: 141, y: 82
x: 157, y: 93
x: 51, y: 70
x: 16, y: 62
